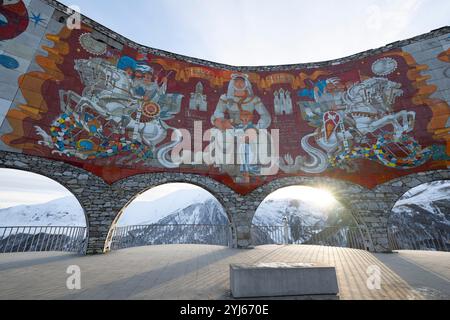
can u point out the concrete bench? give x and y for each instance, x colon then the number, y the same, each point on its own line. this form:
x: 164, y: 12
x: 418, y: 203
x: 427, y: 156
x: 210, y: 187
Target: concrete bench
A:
x: 282, y: 279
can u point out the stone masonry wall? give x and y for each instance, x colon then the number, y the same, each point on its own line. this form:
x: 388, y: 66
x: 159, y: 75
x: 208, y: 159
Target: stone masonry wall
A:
x: 103, y: 203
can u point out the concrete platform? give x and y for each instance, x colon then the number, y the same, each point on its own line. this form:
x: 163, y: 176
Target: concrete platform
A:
x: 202, y: 272
x: 282, y: 280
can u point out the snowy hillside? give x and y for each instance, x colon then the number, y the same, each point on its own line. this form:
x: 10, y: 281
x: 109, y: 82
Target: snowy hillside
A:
x: 272, y: 212
x: 306, y: 220
x: 147, y: 212
x: 208, y: 212
x: 68, y: 212
x: 61, y: 212
x: 211, y: 226
x: 425, y: 208
x: 433, y: 197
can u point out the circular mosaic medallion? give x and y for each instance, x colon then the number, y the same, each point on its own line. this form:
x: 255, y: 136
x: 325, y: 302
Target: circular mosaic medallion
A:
x: 384, y: 66
x: 151, y: 109
x: 91, y: 45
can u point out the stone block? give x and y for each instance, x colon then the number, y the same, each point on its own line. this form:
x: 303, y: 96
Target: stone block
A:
x: 282, y: 279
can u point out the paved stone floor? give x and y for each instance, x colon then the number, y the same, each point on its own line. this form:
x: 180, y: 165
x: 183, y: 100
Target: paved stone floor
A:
x: 202, y: 272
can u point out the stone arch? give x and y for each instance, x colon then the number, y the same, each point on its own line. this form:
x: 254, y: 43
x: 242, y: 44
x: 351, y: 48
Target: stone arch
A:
x: 79, y: 182
x: 55, y: 181
x: 132, y: 187
x: 398, y: 187
x: 345, y: 192
x: 102, y: 203
x: 387, y: 196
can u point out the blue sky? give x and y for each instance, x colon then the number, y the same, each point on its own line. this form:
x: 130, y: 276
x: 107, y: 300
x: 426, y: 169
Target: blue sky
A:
x: 258, y: 32
x: 247, y: 32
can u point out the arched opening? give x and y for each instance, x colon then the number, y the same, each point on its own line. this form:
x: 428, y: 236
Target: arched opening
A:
x: 39, y: 214
x: 305, y: 215
x: 420, y: 219
x: 173, y: 213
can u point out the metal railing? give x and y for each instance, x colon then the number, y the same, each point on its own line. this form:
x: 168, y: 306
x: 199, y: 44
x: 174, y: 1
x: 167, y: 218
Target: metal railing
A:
x: 418, y: 240
x: 349, y: 237
x: 39, y: 239
x: 157, y: 234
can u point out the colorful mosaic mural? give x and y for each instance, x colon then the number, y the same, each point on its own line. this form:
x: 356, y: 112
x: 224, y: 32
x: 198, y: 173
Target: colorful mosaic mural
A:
x: 120, y: 111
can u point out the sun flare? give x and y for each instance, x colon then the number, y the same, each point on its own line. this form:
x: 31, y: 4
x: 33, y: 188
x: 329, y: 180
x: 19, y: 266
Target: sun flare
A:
x: 318, y: 197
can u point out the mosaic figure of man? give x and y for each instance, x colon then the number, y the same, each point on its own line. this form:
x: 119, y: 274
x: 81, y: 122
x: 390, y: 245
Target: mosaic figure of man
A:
x: 236, y: 111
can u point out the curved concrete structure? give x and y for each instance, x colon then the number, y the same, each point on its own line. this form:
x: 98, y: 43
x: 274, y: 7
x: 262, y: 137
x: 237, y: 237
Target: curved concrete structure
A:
x: 109, y: 118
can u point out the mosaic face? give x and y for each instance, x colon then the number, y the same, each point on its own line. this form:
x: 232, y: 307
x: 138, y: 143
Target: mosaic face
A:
x: 120, y: 112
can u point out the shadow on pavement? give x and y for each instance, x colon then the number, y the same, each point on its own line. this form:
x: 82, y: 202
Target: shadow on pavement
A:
x: 36, y: 261
x: 128, y: 287
x: 426, y: 283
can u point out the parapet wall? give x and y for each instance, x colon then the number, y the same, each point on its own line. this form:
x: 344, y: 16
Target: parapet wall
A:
x: 96, y: 100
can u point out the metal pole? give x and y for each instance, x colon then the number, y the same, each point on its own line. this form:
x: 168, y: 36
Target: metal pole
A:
x: 48, y: 238
x: 3, y: 236
x: 61, y: 239
x: 286, y: 230
x: 8, y: 238
x: 14, y: 242
x: 26, y: 240
x: 68, y: 243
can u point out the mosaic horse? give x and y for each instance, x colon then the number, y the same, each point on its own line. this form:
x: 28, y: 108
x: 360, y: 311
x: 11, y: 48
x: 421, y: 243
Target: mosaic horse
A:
x: 364, y: 125
x: 109, y: 100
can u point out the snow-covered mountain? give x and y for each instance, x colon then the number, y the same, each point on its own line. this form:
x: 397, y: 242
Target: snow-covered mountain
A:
x: 424, y: 210
x: 148, y: 212
x: 306, y: 222
x: 68, y: 212
x: 272, y: 212
x: 203, y: 222
x: 61, y: 212
x: 208, y: 212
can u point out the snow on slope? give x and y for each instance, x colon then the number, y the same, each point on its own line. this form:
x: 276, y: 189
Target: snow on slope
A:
x: 424, y: 209
x: 194, y: 205
x: 68, y: 212
x: 61, y: 212
x: 211, y: 227
x: 425, y: 196
x: 147, y: 212
x: 271, y: 213
x: 209, y: 212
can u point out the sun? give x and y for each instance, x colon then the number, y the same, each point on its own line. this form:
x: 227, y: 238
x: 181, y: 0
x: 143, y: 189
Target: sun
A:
x: 321, y: 198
